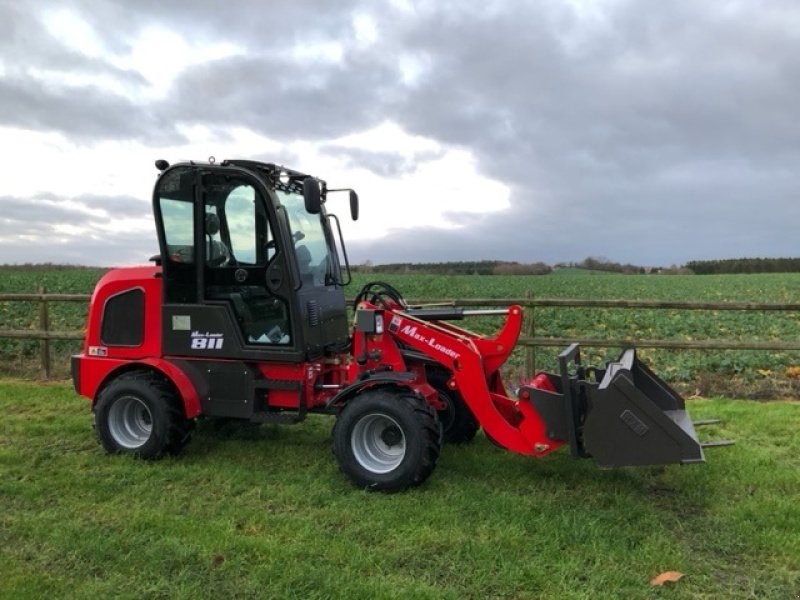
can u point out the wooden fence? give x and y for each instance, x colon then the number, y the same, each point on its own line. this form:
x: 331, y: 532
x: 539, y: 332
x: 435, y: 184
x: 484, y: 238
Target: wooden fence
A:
x: 44, y: 334
x: 529, y: 340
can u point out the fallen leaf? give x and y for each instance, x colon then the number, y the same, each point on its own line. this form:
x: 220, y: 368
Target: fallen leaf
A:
x: 217, y: 560
x: 665, y: 577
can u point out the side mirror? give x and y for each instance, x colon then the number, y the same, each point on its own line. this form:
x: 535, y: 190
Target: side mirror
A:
x: 353, y: 201
x: 311, y: 195
x: 354, y: 205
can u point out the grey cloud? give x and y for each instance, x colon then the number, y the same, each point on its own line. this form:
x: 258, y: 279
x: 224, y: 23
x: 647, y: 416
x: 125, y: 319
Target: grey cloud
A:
x: 650, y: 134
x: 253, y: 23
x: 117, y: 207
x: 80, y: 250
x: 41, y: 211
x: 29, y: 53
x: 82, y: 113
x: 654, y: 81
x: 51, y: 209
x: 385, y: 164
x: 671, y: 226
x: 31, y: 230
x: 281, y: 99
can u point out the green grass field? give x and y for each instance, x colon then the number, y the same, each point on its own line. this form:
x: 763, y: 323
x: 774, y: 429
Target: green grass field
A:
x: 733, y: 373
x: 264, y: 513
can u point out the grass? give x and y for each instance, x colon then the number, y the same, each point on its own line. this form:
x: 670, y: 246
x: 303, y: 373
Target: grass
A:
x: 263, y: 512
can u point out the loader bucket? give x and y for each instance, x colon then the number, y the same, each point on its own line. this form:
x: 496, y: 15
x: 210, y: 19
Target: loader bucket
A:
x: 623, y: 415
x: 634, y: 418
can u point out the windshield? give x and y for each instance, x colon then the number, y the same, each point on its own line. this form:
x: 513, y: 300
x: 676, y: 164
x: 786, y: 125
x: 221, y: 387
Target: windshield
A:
x: 308, y: 235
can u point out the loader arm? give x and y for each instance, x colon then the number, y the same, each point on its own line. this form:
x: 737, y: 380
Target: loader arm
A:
x: 620, y: 415
x: 475, y: 361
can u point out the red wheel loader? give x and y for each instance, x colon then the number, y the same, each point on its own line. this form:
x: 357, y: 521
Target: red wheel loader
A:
x: 243, y: 316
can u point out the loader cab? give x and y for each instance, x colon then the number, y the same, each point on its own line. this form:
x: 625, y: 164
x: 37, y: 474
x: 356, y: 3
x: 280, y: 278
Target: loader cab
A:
x: 250, y: 266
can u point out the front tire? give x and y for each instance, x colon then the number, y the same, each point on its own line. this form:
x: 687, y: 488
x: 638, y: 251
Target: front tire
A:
x: 139, y: 413
x: 387, y: 441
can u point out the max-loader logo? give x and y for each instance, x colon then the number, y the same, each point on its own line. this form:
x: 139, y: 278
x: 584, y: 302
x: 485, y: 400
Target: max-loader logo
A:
x: 411, y: 331
x: 207, y: 341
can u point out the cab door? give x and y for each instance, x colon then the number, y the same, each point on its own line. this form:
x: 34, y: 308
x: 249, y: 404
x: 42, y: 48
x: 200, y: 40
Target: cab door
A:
x: 227, y: 290
x: 245, y: 270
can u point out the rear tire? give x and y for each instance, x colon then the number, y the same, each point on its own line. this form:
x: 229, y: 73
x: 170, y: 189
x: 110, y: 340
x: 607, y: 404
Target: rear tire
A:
x: 139, y: 413
x: 459, y: 425
x: 387, y: 441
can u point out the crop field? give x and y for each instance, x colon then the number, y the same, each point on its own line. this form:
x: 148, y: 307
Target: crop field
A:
x: 735, y: 373
x: 732, y: 372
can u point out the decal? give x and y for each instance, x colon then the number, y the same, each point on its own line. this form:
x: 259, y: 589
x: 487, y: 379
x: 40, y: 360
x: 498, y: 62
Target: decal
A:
x: 98, y: 351
x: 207, y: 341
x: 411, y: 331
x: 394, y: 325
x: 181, y: 322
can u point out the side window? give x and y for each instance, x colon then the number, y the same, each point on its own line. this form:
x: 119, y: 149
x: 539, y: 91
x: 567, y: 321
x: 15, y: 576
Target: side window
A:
x: 175, y: 211
x: 178, y: 229
x: 237, y: 230
x: 238, y: 247
x: 240, y: 212
x: 310, y: 246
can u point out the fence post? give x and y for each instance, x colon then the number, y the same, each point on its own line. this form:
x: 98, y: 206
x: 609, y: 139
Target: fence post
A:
x: 44, y: 325
x: 530, y: 363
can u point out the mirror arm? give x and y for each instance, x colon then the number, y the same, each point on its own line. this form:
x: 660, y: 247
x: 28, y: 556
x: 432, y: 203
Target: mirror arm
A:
x: 353, y: 201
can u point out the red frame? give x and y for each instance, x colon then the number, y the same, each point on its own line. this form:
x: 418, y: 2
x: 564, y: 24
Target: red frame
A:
x: 473, y: 359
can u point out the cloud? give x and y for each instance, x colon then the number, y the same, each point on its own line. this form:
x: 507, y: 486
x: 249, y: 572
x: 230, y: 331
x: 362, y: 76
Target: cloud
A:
x: 126, y: 249
x: 654, y: 135
x: 87, y: 229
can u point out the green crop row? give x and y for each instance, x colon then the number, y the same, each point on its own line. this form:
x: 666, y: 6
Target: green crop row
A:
x: 721, y: 369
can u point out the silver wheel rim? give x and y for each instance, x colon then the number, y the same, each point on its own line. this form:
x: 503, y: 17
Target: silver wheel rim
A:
x: 130, y: 422
x: 378, y: 443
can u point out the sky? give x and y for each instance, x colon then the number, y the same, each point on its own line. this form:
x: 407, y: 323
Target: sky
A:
x: 651, y: 133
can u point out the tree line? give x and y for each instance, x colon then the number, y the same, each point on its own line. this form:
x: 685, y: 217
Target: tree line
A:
x: 481, y: 267
x: 744, y: 265
x: 498, y: 267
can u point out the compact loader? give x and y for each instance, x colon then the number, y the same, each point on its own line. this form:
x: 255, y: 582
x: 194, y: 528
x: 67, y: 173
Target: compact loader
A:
x: 243, y: 316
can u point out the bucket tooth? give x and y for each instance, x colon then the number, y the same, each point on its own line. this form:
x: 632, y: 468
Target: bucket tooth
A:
x: 717, y: 443
x: 702, y: 422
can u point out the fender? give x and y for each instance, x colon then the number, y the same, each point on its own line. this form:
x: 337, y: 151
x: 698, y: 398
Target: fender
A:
x: 187, y: 390
x: 403, y: 379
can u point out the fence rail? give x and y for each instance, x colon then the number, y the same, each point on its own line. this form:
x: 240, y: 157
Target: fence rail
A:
x: 44, y: 334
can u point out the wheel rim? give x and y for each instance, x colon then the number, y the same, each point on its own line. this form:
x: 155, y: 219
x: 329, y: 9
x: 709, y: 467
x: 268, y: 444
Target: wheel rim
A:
x: 130, y: 422
x: 378, y: 443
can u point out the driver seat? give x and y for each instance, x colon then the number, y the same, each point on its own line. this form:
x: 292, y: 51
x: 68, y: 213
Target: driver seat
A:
x: 217, y: 253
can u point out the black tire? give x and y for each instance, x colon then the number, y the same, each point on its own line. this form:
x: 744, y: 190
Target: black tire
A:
x: 459, y: 425
x: 139, y: 413
x: 387, y: 440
